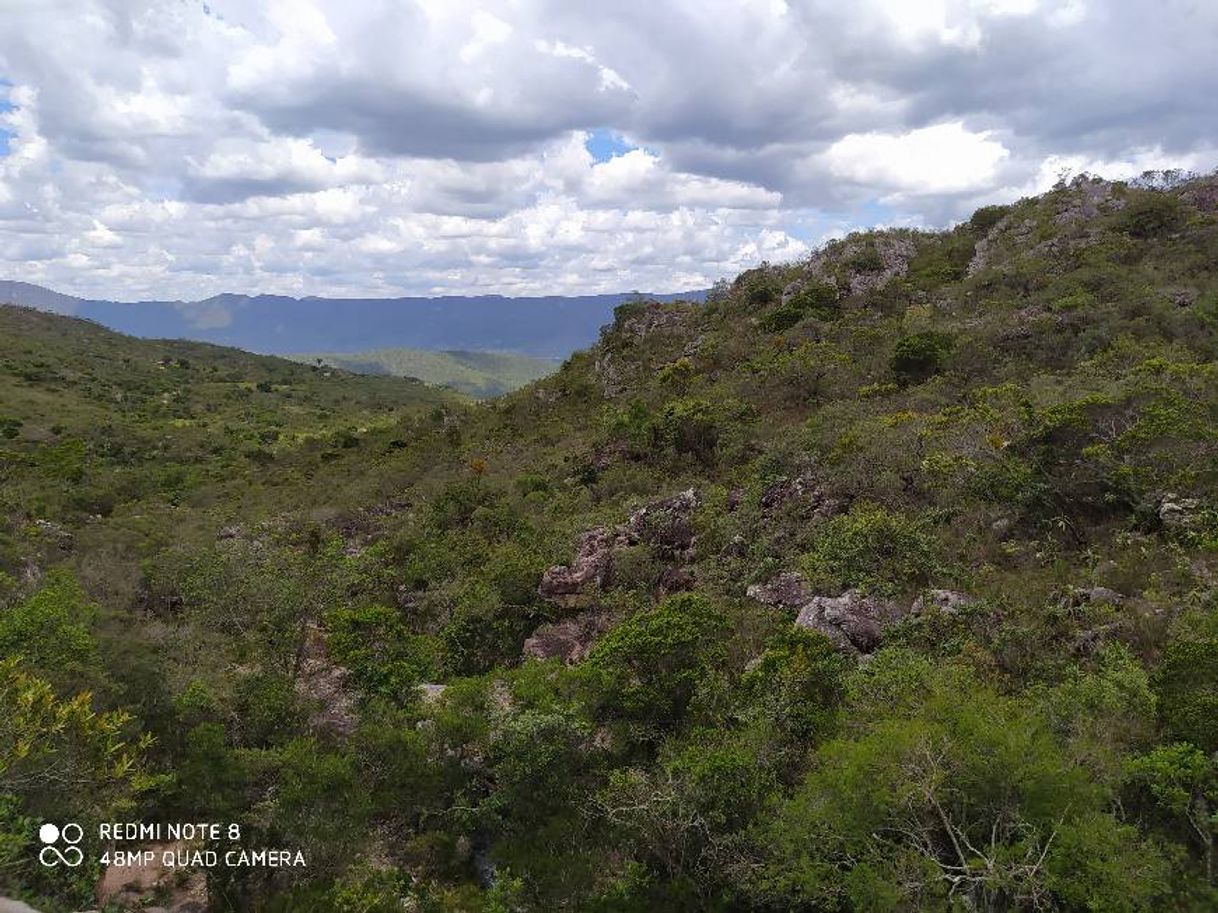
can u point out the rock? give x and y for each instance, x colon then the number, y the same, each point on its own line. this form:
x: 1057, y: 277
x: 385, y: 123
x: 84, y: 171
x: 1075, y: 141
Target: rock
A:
x: 852, y: 621
x: 54, y: 533
x: 563, y: 584
x: 675, y: 580
x: 802, y: 490
x: 665, y: 525
x: 948, y: 602
x: 569, y: 640
x: 1002, y: 527
x: 736, y: 547
x: 611, y: 373
x: 430, y: 693
x: 8, y: 905
x: 1176, y: 512
x: 324, y: 683
x: 1088, y: 198
x: 1089, y: 641
x: 1203, y: 195
x: 133, y: 886
x: 1183, y: 297
x: 894, y: 254
x: 789, y: 590
x: 654, y: 315
x: 1103, y: 595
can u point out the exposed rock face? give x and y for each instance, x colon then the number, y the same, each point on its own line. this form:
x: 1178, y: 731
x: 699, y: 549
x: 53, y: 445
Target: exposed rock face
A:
x: 653, y: 316
x: 853, y: 620
x: 949, y: 602
x: 1203, y: 195
x: 1176, y: 512
x: 805, y: 491
x: 1091, y: 196
x: 894, y: 254
x: 1100, y: 595
x: 675, y: 580
x: 788, y: 590
x: 612, y: 371
x: 569, y: 639
x: 593, y: 560
x: 666, y: 525
x: 324, y: 683
x: 430, y: 693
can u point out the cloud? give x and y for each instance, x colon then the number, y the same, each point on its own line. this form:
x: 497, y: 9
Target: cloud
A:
x: 945, y: 158
x: 166, y: 149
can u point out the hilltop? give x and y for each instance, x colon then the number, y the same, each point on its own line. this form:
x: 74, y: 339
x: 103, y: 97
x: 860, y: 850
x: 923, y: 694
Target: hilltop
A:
x: 883, y: 580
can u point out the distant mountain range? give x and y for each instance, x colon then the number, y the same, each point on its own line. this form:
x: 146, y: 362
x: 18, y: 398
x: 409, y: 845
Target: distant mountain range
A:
x: 545, y: 327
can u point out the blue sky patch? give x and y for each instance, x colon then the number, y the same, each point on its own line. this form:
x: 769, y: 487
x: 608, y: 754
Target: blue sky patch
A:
x: 605, y: 144
x: 5, y: 105
x: 811, y: 226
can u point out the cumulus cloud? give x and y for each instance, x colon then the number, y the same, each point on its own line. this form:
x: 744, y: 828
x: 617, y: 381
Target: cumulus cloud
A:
x: 176, y: 149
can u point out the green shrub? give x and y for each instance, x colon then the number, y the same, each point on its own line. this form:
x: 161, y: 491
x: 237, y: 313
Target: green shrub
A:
x: 873, y: 548
x: 385, y: 658
x: 691, y: 427
x: 919, y: 356
x: 1187, y: 686
x: 987, y: 217
x: 813, y: 299
x: 1152, y: 215
x: 647, y: 667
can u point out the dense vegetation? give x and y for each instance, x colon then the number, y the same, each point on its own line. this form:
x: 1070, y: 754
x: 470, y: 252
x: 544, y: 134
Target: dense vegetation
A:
x: 299, y: 601
x: 478, y: 374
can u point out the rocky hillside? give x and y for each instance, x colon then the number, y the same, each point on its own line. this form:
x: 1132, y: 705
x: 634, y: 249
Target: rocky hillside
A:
x: 882, y: 581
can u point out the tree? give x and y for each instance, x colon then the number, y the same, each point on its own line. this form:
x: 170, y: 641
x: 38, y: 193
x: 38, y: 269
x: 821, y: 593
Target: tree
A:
x: 1184, y: 784
x: 647, y: 667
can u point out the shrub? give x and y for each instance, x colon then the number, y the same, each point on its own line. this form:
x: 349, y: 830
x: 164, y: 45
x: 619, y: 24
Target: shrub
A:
x: 647, y: 667
x: 691, y: 427
x: 920, y: 356
x: 1187, y: 686
x: 987, y: 217
x: 1152, y: 215
x: 383, y: 655
x: 813, y: 299
x: 873, y: 548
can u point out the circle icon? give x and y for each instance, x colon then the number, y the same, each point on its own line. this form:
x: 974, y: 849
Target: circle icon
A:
x: 51, y: 855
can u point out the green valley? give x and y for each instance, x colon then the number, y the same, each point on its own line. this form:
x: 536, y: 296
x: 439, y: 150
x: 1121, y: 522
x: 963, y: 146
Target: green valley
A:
x: 477, y: 374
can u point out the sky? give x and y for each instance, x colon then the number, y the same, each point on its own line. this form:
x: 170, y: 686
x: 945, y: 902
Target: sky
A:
x: 176, y: 149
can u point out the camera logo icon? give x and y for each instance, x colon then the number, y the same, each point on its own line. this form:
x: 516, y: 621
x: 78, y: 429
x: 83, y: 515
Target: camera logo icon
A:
x: 51, y: 855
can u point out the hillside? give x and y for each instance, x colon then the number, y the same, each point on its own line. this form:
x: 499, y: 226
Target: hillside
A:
x: 478, y: 374
x: 885, y: 580
x: 93, y: 423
